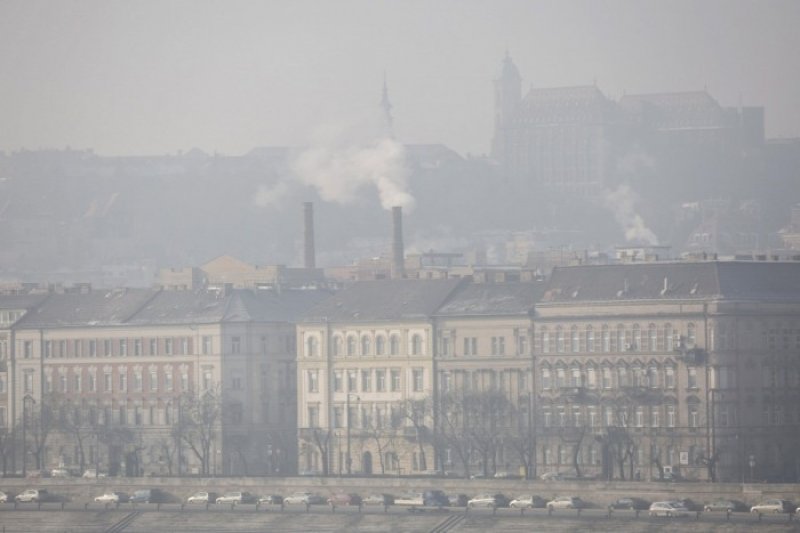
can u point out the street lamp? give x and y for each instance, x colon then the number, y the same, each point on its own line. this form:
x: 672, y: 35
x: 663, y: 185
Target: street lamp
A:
x: 27, y: 398
x: 349, y: 460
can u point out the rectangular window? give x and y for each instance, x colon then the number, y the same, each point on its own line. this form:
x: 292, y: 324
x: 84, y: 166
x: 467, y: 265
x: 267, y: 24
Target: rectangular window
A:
x: 123, y: 381
x: 366, y: 380
x: 168, y: 350
x: 168, y: 381
x: 545, y: 342
x: 470, y: 346
x: 206, y: 344
x: 107, y: 383
x: 207, y: 382
x: 338, y: 416
x: 137, y: 381
x: 184, y: 346
x: 27, y: 349
x: 337, y: 381
x: 123, y: 347
x: 692, y: 378
x: 92, y: 382
x: 28, y: 381
x: 153, y: 346
x: 352, y: 380
x: 313, y: 381
x: 670, y: 416
x: 107, y: 351
x: 92, y: 348
x: 153, y: 381
x: 77, y: 348
x: 184, y: 382
x: 445, y: 345
x: 522, y: 345
x: 236, y: 344
x: 313, y: 416
x: 395, y: 377
x: 380, y: 381
x: 498, y: 345
x: 418, y: 379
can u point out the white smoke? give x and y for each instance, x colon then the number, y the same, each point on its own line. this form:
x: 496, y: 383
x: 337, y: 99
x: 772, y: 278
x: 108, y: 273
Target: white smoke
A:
x: 270, y: 196
x: 622, y: 202
x: 342, y: 162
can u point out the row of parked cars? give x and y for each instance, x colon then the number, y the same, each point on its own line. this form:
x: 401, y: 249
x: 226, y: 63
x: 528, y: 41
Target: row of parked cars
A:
x: 428, y: 498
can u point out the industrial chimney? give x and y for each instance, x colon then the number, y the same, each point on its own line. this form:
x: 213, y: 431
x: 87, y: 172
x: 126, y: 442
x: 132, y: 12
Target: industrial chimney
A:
x: 398, y: 254
x: 308, y: 235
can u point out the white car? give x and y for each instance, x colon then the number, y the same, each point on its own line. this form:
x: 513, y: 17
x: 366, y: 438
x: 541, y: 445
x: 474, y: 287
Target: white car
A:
x: 483, y: 500
x: 31, y: 496
x: 201, y: 497
x: 112, y: 497
x: 552, y: 476
x: 91, y: 473
x: 234, y: 497
x: 528, y: 501
x: 3, y: 497
x: 412, y: 499
x: 565, y: 502
x: 773, y: 506
x: 668, y: 509
x: 303, y: 498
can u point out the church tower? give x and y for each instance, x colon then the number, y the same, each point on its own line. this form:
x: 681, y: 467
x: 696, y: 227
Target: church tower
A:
x: 507, y: 97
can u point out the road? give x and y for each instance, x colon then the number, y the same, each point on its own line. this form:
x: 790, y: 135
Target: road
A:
x: 175, y: 518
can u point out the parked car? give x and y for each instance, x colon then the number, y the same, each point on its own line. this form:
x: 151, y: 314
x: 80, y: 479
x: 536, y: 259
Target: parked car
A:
x: 668, y: 509
x: 379, y: 499
x: 773, y: 506
x: 271, y: 499
x: 412, y: 499
x: 32, y: 496
x: 630, y: 504
x: 202, y: 497
x: 112, y: 497
x: 527, y: 501
x: 690, y: 504
x: 724, y: 505
x: 92, y: 473
x: 148, y: 496
x: 303, y: 498
x: 492, y: 501
x: 435, y: 498
x: 506, y: 475
x: 3, y: 497
x: 457, y: 500
x: 236, y: 497
x: 344, y: 499
x: 552, y: 476
x: 566, y: 502
x: 60, y: 472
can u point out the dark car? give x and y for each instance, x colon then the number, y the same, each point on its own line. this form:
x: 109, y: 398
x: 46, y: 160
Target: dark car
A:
x: 690, y: 504
x: 379, y: 499
x: 457, y: 500
x: 148, y: 496
x: 435, y: 498
x: 271, y: 499
x: 725, y: 505
x: 630, y: 504
x: 343, y: 499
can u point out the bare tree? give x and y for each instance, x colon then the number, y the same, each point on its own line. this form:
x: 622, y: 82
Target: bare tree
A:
x: 8, y: 437
x: 198, y: 425
x: 419, y: 412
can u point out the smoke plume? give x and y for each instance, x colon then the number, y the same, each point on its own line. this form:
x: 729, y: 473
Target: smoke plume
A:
x: 622, y: 203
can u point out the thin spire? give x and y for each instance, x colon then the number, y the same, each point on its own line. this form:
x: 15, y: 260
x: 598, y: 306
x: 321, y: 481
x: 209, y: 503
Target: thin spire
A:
x: 387, y: 108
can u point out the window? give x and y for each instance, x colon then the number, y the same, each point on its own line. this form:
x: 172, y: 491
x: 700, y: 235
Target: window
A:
x: 545, y: 341
x: 575, y: 377
x: 591, y: 377
x: 652, y: 334
x: 417, y: 377
x: 416, y: 344
x: 137, y: 381
x: 352, y: 380
x: 337, y: 345
x: 606, y: 339
x: 522, y: 345
x: 394, y: 345
x: 671, y: 416
x: 137, y: 347
x: 637, y: 338
x: 639, y: 416
x: 655, y: 418
x: 575, y: 341
x: 498, y: 345
x: 92, y: 348
x: 470, y: 346
x: 669, y: 377
x: 366, y: 380
x: 168, y: 349
x: 153, y: 346
x: 168, y: 381
x: 77, y: 348
x: 62, y: 382
x: 592, y: 416
x: 652, y: 377
x: 185, y: 346
x: 313, y: 416
x: 669, y: 338
x: 547, y: 381
x: 351, y: 345
x: 123, y: 347
x: 395, y: 377
x: 338, y: 416
x: 621, y: 347
x: 184, y: 381
x: 207, y: 380
x: 380, y: 345
x: 694, y: 416
x: 337, y: 381
x: 366, y: 345
x: 27, y: 349
x: 445, y: 346
x: 691, y: 335
x: 236, y: 344
x: 589, y: 340
x: 622, y: 376
x: 559, y: 341
x: 561, y: 378
x: 312, y: 345
x: 153, y: 380
x: 123, y: 380
x: 380, y: 381
x: 107, y: 383
x: 91, y: 381
x: 692, y: 377
x: 313, y: 380
x: 607, y: 381
x: 446, y: 379
x: 206, y: 344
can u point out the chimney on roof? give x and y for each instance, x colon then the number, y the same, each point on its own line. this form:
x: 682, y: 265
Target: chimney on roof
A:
x: 309, y: 260
x: 398, y: 254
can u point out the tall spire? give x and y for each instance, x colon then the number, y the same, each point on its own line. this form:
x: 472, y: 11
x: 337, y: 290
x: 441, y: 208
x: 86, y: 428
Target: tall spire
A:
x: 387, y: 109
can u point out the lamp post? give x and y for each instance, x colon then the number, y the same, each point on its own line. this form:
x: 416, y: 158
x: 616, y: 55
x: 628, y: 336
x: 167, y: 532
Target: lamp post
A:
x: 27, y: 398
x: 348, y: 459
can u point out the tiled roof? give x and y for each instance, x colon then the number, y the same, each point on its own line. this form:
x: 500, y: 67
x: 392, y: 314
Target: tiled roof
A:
x: 94, y: 308
x: 20, y: 301
x: 670, y: 281
x: 481, y: 299
x: 384, y: 300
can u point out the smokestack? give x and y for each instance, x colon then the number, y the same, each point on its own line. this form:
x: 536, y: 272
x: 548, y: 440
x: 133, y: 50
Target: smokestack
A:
x: 398, y: 254
x: 308, y: 235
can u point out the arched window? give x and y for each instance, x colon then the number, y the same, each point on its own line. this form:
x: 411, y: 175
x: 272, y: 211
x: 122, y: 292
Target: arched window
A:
x: 337, y: 345
x: 416, y: 344
x: 575, y: 377
x: 637, y: 338
x: 380, y: 345
x: 621, y: 338
x: 545, y: 341
x: 575, y: 342
x: 606, y: 339
x: 312, y: 346
x: 652, y: 335
x: 691, y: 335
x: 591, y: 377
x: 351, y: 345
x: 366, y: 345
x: 547, y: 380
x: 561, y: 377
x: 669, y: 338
x: 589, y: 339
x: 622, y: 376
x: 559, y: 340
x: 394, y: 345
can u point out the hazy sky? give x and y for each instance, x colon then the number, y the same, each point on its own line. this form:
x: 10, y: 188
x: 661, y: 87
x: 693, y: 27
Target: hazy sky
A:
x: 152, y: 77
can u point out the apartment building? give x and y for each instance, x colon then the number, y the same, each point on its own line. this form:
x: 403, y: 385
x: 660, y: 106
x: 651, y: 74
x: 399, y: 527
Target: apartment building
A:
x: 141, y: 382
